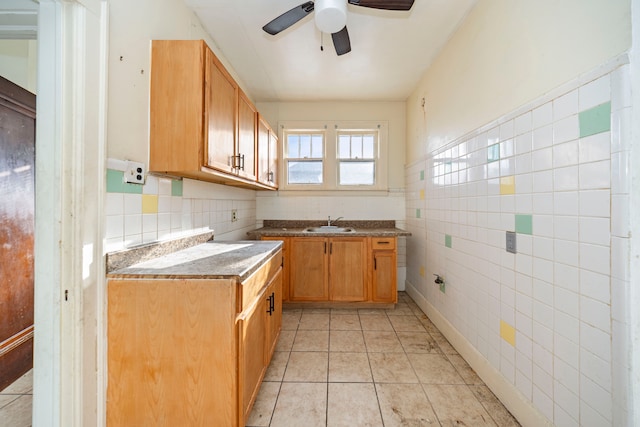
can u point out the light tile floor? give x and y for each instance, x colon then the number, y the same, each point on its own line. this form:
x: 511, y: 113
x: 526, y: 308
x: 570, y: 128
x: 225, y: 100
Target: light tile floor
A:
x: 371, y: 367
x: 351, y: 368
x: 15, y: 402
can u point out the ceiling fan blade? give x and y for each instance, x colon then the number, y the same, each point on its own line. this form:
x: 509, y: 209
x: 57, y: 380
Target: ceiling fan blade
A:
x: 384, y: 4
x: 341, y: 41
x: 288, y: 18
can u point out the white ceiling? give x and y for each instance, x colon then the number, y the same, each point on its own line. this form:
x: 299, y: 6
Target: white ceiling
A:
x: 391, y: 50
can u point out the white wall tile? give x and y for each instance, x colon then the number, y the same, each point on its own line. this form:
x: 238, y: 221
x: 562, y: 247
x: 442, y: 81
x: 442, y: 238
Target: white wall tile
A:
x: 595, y: 230
x: 566, y: 276
x: 595, y: 93
x: 621, y: 125
x: 542, y: 137
x: 595, y: 176
x: 566, y: 252
x: 565, y: 154
x: 542, y: 115
x: 566, y: 203
x: 596, y: 341
x: 620, y: 173
x: 565, y: 372
x: 567, y: 302
x: 596, y: 397
x: 566, y: 179
x: 506, y: 130
x: 595, y: 147
x: 543, y: 181
x: 542, y: 159
x: 620, y: 258
x: 594, y: 258
x: 595, y: 285
x: 620, y: 218
x: 133, y: 225
x: 114, y: 226
x: 565, y: 105
x: 522, y: 123
x: 561, y: 416
x: 132, y: 204
x: 523, y: 143
x: 595, y: 313
x: 621, y: 88
x: 566, y: 325
x: 595, y: 203
x: 566, y: 129
x: 543, y: 203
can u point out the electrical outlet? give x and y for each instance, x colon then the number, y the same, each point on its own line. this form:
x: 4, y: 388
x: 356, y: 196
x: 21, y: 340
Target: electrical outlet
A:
x: 511, y: 242
x: 134, y: 173
x: 234, y: 215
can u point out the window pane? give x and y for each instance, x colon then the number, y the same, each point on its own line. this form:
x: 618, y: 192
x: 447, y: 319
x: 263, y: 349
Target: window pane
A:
x: 293, y: 149
x: 304, y: 172
x: 357, y: 173
x: 305, y: 146
x: 356, y: 146
x: 317, y: 149
x: 368, y: 146
x: 344, y: 147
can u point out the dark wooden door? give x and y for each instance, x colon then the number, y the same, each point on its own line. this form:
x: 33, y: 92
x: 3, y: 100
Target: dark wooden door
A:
x: 17, y: 199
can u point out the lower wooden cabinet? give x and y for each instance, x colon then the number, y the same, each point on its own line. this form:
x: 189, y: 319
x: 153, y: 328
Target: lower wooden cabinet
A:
x: 384, y: 275
x: 190, y: 351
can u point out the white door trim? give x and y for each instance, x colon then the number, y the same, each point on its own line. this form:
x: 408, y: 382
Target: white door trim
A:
x: 69, y: 269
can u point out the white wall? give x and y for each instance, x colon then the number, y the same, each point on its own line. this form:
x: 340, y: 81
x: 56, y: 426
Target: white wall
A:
x: 18, y: 59
x: 507, y: 53
x: 525, y: 75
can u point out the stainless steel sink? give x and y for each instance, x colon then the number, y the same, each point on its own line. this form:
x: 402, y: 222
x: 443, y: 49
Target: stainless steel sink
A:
x: 329, y: 229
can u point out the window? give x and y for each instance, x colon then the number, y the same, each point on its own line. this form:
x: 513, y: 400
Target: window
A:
x: 356, y: 158
x: 336, y: 156
x: 305, y: 157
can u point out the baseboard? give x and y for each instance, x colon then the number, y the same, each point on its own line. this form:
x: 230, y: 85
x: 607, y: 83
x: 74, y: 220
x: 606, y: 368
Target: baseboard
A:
x: 519, y: 406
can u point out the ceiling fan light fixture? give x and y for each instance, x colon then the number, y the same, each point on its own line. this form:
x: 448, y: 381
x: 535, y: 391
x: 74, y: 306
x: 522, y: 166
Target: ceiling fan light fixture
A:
x: 330, y: 15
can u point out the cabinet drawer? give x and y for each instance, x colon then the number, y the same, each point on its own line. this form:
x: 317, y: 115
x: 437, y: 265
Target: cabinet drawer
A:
x: 251, y: 287
x: 378, y: 243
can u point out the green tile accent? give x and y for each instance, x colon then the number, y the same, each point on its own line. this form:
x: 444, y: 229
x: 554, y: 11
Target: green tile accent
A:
x: 447, y: 240
x: 524, y: 224
x: 116, y: 184
x: 417, y: 213
x: 115, y: 181
x: 421, y: 175
x: 595, y: 120
x: 176, y: 187
x: 493, y: 153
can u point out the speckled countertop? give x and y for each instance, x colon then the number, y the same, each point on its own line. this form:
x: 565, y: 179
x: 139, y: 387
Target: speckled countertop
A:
x: 282, y: 228
x: 210, y: 260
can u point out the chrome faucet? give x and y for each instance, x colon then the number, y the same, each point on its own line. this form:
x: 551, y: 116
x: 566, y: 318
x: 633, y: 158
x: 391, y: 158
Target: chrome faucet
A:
x: 335, y: 220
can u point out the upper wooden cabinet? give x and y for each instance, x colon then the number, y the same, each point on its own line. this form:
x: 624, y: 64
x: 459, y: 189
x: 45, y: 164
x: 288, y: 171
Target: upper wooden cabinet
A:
x: 202, y: 126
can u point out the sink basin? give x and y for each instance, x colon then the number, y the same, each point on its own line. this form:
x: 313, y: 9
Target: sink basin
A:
x: 329, y: 229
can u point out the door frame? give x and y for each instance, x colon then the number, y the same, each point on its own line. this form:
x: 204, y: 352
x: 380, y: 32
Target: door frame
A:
x: 69, y: 346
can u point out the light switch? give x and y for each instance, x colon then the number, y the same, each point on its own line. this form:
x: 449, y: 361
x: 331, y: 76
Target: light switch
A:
x: 511, y: 242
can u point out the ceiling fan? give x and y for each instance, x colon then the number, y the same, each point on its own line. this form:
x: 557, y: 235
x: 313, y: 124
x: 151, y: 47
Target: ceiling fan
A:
x: 331, y: 17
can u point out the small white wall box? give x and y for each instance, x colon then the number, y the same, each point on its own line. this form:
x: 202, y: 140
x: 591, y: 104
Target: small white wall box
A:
x: 134, y: 173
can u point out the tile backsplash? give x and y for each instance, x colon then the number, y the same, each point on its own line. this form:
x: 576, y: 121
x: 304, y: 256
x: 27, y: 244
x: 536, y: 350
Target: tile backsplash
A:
x: 166, y: 208
x: 555, y: 172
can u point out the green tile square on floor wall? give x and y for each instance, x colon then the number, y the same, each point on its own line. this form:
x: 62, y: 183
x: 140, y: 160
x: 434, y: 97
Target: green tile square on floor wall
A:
x: 524, y: 224
x: 421, y: 175
x: 447, y: 240
x: 116, y: 184
x: 493, y: 153
x: 417, y: 213
x: 595, y: 120
x: 176, y: 187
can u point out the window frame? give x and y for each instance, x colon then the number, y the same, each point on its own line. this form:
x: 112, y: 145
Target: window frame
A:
x: 331, y: 161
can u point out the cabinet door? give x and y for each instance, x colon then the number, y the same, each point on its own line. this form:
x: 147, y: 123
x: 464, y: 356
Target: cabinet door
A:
x: 221, y: 106
x: 347, y: 269
x: 308, y: 280
x: 267, y: 154
x: 253, y: 330
x: 286, y: 263
x: 273, y: 300
x: 247, y: 122
x: 273, y: 159
x: 384, y: 277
